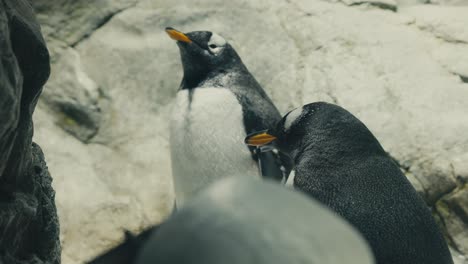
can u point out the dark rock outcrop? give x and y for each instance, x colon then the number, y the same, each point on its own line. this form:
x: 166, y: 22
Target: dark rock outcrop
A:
x: 29, y: 228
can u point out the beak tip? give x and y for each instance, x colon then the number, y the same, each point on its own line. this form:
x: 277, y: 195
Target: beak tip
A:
x: 177, y: 35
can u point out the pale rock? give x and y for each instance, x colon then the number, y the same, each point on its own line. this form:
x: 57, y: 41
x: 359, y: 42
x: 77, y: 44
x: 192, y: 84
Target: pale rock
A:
x: 387, y: 68
x: 450, y: 2
x: 432, y: 171
x: 454, y: 58
x: 76, y: 99
x: 72, y: 21
x: 445, y: 22
x: 107, y: 189
x: 402, y: 3
x: 458, y: 258
x: 449, y: 25
x: 384, y: 4
x: 460, y: 167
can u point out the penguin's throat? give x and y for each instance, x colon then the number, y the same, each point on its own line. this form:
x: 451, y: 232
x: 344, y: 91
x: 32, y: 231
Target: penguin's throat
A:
x: 192, y: 79
x: 216, y: 78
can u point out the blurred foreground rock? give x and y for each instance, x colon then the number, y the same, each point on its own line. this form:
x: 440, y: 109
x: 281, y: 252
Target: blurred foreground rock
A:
x: 29, y: 228
x: 400, y: 66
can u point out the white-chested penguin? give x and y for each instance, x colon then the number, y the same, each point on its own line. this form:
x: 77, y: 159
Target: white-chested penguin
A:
x: 219, y: 102
x: 340, y: 163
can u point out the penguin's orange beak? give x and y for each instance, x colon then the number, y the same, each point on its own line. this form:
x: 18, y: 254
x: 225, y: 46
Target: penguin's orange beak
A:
x: 258, y: 139
x: 177, y: 35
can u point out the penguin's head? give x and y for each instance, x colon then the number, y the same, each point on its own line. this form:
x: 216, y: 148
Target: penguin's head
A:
x: 318, y: 127
x: 203, y: 53
x: 287, y: 135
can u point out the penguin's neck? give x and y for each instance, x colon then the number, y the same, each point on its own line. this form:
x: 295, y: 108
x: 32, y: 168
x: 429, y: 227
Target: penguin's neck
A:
x: 192, y: 80
x: 315, y: 170
x: 216, y: 78
x: 313, y: 158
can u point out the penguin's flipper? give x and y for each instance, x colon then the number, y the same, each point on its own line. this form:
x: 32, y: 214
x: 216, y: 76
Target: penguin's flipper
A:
x: 126, y: 252
x: 272, y: 163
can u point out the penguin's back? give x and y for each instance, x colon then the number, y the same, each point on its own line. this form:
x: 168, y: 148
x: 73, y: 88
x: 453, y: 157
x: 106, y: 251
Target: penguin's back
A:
x: 376, y: 197
x: 207, y: 132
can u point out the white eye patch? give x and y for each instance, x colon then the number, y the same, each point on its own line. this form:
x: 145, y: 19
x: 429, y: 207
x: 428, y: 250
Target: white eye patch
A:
x: 216, y: 43
x: 291, y: 117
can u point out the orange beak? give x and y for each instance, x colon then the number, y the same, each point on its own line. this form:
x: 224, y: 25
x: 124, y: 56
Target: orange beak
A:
x: 177, y: 35
x: 259, y: 139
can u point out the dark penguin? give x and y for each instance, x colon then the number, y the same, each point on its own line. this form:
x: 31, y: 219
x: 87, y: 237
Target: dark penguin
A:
x: 219, y: 102
x: 126, y: 252
x: 340, y: 163
x: 248, y: 221
x: 238, y: 221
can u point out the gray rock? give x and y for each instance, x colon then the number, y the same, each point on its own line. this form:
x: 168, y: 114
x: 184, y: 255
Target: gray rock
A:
x: 398, y: 72
x: 73, y: 21
x: 449, y: 25
x: 402, y: 3
x: 458, y: 258
x: 453, y: 209
x: 450, y: 2
x: 433, y: 171
x: 11, y: 92
x: 454, y: 58
x: 445, y: 22
x: 384, y: 4
x: 76, y: 100
x: 28, y: 217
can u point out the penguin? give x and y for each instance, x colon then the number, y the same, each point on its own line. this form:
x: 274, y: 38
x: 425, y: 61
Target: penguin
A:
x: 236, y: 220
x: 339, y: 162
x: 218, y: 103
x: 125, y: 252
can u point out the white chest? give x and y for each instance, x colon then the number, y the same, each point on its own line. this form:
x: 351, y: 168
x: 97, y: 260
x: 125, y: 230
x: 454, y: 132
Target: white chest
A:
x: 207, y: 140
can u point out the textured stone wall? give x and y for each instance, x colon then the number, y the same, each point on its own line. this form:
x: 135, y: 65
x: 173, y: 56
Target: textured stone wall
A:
x: 400, y: 66
x: 29, y: 228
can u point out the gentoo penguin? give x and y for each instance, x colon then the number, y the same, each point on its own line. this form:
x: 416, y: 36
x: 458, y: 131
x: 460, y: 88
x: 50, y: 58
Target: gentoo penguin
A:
x: 341, y: 164
x: 241, y: 220
x: 218, y: 103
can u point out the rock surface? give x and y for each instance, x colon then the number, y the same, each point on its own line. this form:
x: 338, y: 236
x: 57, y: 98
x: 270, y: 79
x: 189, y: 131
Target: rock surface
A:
x: 450, y: 2
x: 384, y: 4
x: 103, y: 121
x: 435, y: 2
x: 29, y: 226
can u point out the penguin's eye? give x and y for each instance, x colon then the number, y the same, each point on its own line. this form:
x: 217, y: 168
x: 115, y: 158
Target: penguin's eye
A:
x: 216, y: 44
